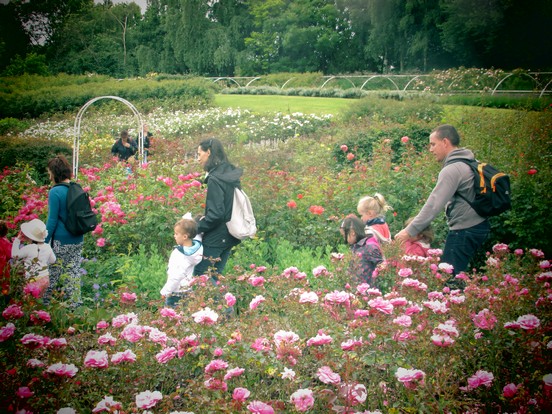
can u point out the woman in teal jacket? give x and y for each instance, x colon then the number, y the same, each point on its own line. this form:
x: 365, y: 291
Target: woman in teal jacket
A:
x: 66, y: 246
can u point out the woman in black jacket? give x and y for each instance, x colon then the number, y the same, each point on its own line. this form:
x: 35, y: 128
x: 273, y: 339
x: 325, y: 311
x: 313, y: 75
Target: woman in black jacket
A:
x: 221, y: 179
x: 125, y: 147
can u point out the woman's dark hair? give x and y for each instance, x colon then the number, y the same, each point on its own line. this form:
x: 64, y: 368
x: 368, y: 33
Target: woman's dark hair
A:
x: 124, y: 134
x: 217, y: 156
x: 60, y: 168
x: 3, y: 228
x: 352, y: 224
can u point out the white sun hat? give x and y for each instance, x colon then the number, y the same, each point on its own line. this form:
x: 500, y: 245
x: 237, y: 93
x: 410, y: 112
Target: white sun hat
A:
x: 35, y: 230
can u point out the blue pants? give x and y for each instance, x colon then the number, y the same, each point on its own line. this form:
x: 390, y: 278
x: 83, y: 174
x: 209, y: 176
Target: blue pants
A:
x: 215, y: 257
x: 461, y: 245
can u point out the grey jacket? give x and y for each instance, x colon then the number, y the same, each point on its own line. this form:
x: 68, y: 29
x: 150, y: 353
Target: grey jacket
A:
x: 453, y: 179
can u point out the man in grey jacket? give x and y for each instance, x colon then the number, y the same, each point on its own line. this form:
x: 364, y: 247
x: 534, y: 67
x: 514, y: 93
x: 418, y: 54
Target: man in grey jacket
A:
x: 467, y: 229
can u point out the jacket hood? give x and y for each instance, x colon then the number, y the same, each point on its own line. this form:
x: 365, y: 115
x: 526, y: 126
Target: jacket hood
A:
x: 189, y: 251
x: 461, y: 153
x: 226, y: 173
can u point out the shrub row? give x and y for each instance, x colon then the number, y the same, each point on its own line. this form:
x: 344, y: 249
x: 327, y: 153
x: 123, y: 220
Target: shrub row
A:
x: 35, y: 96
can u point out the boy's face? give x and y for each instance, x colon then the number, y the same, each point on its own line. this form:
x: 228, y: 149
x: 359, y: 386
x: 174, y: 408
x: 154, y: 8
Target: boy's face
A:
x: 180, y: 238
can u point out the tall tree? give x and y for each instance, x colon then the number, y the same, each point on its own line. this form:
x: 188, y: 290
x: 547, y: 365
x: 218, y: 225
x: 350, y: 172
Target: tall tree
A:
x: 93, y: 41
x: 14, y: 40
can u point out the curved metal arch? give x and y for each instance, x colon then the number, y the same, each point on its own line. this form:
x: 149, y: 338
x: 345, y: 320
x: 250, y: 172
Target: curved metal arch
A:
x: 78, y: 119
x: 544, y: 89
x: 227, y: 78
x: 412, y: 80
x: 252, y: 80
x: 380, y: 76
x: 509, y: 75
x: 286, y: 82
x: 338, y: 77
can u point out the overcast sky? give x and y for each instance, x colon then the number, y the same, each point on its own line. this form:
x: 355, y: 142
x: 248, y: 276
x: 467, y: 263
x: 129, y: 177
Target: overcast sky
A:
x: 141, y: 3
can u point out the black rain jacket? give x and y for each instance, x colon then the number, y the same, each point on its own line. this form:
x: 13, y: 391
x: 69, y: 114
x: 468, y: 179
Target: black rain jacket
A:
x: 221, y: 182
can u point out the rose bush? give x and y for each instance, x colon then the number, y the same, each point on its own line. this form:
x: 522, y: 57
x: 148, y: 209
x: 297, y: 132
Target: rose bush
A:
x: 301, y: 337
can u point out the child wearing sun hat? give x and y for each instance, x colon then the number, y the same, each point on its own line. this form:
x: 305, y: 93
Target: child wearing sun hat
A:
x: 35, y: 254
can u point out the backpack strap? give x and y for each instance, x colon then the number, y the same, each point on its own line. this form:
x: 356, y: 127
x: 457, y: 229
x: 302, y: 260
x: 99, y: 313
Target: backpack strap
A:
x: 468, y: 162
x: 63, y: 184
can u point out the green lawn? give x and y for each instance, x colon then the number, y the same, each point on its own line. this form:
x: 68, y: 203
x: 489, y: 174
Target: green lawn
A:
x: 284, y: 104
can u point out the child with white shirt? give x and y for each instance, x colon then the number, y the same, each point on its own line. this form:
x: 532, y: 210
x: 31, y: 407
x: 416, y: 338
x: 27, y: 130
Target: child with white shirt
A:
x: 187, y: 253
x: 36, y: 255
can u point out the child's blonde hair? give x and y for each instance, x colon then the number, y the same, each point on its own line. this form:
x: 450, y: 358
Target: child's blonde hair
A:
x: 426, y: 234
x: 187, y: 227
x: 376, y: 204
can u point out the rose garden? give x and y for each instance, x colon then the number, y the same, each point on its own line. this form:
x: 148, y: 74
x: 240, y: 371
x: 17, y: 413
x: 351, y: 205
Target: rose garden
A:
x: 302, y: 337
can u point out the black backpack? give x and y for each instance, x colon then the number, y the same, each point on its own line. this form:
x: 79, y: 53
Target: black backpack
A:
x: 81, y: 219
x: 492, y: 188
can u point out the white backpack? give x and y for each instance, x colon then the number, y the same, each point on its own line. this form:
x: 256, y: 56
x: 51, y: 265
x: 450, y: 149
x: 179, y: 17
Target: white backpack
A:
x: 242, y: 224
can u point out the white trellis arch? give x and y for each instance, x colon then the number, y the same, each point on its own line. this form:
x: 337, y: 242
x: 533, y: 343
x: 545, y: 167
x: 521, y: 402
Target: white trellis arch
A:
x: 78, y: 119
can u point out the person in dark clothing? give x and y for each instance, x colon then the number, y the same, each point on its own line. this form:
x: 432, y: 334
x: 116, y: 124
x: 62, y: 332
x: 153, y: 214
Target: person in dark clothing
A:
x: 147, y: 140
x: 125, y: 147
x: 221, y: 180
x: 367, y: 254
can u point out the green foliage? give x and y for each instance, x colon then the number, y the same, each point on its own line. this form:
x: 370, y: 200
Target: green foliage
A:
x: 390, y: 112
x: 361, y: 141
x: 143, y: 270
x: 33, y: 96
x: 499, y: 101
x: 32, y: 64
x: 36, y: 152
x: 12, y: 126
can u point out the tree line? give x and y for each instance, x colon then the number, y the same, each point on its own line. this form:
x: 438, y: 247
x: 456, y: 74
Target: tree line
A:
x: 256, y: 37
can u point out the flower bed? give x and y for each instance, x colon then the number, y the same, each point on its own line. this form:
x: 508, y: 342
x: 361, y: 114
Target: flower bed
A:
x: 298, y: 340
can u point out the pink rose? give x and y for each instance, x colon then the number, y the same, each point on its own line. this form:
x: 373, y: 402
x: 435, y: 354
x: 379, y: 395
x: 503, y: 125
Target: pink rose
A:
x: 128, y: 297
x: 234, y: 372
x: 480, y: 378
x: 257, y: 300
x: 13, y: 312
x: 127, y: 355
x: 308, y: 297
x: 102, y: 325
x: 148, y: 399
x: 100, y: 242
x: 382, y: 305
x: 354, y: 393
x: 166, y: 355
x: 405, y: 139
x: 528, y: 322
x: 509, y: 390
x: 240, y: 394
x: 24, y: 392
x: 96, y: 359
x: 410, y: 378
x: 303, y: 399
x: 344, y: 148
x: 7, y: 332
x: 63, y: 370
x: 485, y: 319
x: 107, y: 339
x: 319, y: 340
x: 215, y: 365
x: 108, y: 405
x: 327, y: 376
x: 205, y: 317
x: 259, y: 407
x: 230, y: 299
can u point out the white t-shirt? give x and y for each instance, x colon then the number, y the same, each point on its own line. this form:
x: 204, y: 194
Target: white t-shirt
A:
x: 35, y: 256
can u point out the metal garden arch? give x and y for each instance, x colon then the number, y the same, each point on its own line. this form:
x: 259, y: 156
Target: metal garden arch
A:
x: 78, y: 119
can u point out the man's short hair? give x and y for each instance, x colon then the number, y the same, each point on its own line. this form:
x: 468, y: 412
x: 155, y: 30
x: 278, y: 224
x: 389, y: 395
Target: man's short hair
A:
x: 447, y: 131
